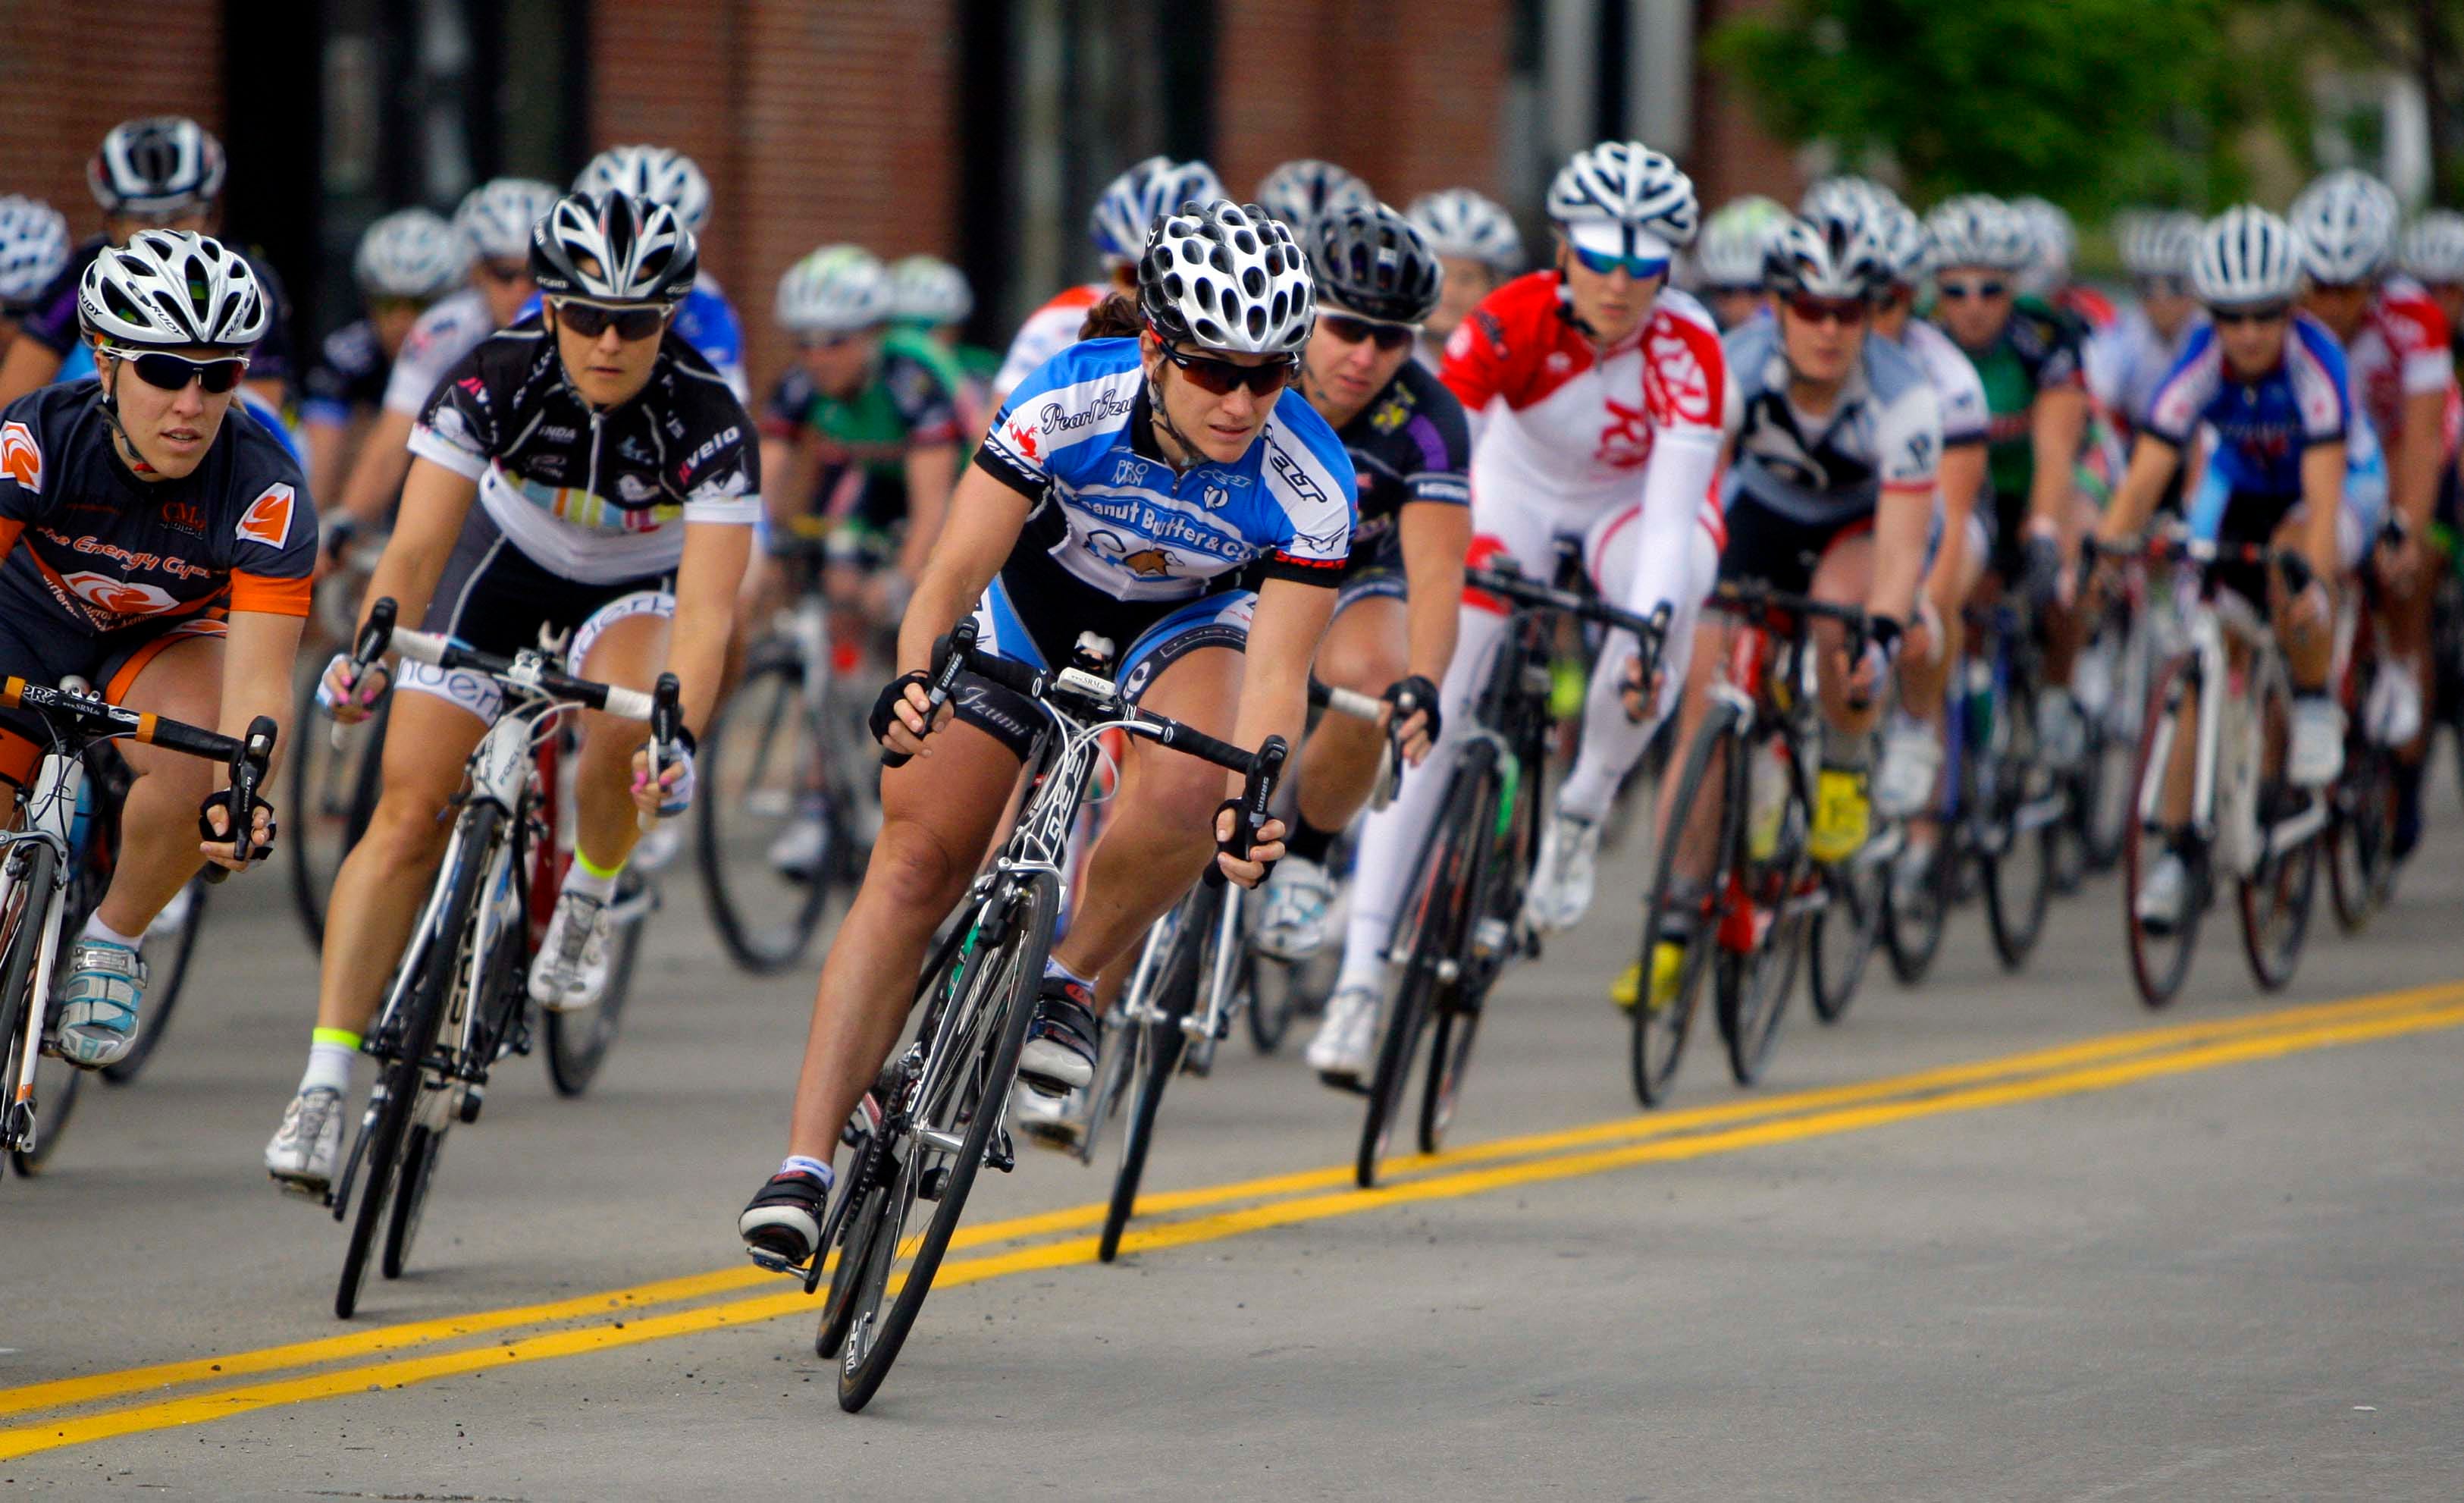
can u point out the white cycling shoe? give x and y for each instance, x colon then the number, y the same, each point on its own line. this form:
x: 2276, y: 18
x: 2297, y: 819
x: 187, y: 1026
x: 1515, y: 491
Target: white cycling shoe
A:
x: 309, y: 1143
x: 798, y: 852
x: 1911, y: 762
x: 2393, y: 713
x: 2318, y: 751
x: 1564, y: 877
x: 1340, y: 1053
x: 2165, y: 894
x: 1291, y: 923
x: 571, y: 970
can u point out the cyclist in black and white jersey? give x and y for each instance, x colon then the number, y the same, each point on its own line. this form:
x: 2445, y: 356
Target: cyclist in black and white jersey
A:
x: 405, y: 262
x: 616, y: 478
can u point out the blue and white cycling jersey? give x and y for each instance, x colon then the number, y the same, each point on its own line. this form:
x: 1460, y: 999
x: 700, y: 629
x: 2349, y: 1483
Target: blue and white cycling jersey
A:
x: 2357, y: 521
x: 707, y: 321
x: 1114, y: 516
x: 2263, y: 426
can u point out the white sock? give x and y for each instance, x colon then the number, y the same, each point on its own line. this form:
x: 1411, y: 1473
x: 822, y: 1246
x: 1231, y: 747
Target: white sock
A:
x: 95, y: 929
x: 586, y: 883
x: 1053, y: 967
x: 329, y: 1067
x: 819, y: 1170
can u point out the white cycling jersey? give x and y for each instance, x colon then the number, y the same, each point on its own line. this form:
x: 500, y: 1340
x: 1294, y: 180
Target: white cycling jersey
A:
x: 2126, y: 363
x: 1047, y: 332
x: 448, y: 330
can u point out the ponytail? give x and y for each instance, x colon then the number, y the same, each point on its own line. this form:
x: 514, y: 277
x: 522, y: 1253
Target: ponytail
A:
x: 1115, y: 317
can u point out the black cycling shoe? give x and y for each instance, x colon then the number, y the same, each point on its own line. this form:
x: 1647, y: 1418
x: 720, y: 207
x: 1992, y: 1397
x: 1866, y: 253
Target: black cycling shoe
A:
x: 1060, y: 1053
x: 784, y: 1223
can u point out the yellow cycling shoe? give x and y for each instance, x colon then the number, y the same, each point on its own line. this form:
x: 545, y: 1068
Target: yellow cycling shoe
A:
x: 1667, y: 962
x: 1842, y: 814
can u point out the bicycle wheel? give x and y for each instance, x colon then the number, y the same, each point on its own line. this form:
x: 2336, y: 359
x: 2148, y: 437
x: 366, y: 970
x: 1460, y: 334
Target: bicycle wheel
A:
x: 1658, y: 1033
x: 33, y: 897
x: 334, y: 775
x: 402, y: 1080
x: 1845, y: 931
x: 410, y: 1196
x: 1913, y: 923
x: 1754, y: 980
x: 2361, y: 834
x: 1282, y: 991
x: 170, y: 943
x: 2021, y: 866
x: 860, y: 1223
x: 2161, y: 961
x: 1450, y: 1044
x: 1155, y: 1053
x: 2276, y: 899
x: 578, y: 1040
x: 971, y: 1063
x: 761, y: 766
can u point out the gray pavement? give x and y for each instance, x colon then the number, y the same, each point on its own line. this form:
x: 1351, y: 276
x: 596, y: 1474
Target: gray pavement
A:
x: 2224, y: 1282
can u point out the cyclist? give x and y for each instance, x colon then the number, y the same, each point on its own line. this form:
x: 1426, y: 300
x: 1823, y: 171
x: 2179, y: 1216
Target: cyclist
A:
x: 2433, y: 255
x: 861, y: 441
x: 1394, y: 626
x: 1589, y: 385
x: 159, y: 548
x: 1728, y: 258
x: 494, y: 219
x: 2124, y: 362
x: 163, y: 173
x: 2403, y: 376
x: 1118, y: 226
x: 405, y: 262
x: 930, y: 304
x: 1299, y: 191
x: 1123, y: 491
x: 705, y: 319
x: 2048, y: 276
x: 1478, y: 246
x: 2263, y: 387
x: 34, y: 247
x: 616, y: 480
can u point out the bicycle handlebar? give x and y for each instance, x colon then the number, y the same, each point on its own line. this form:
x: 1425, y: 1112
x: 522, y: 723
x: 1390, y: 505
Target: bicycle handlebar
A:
x: 2168, y: 547
x: 1503, y: 579
x: 528, y: 671
x: 247, y: 757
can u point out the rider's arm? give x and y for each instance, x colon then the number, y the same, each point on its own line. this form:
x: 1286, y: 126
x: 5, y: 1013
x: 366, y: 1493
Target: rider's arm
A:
x: 1283, y: 633
x: 1961, y: 476
x: 2056, y: 425
x: 1676, y: 485
x: 376, y: 475
x: 1909, y: 447
x: 2152, y: 461
x: 2412, y: 467
x: 435, y: 503
x: 706, y: 587
x: 930, y: 471
x: 1435, y: 535
x: 788, y: 493
x: 257, y: 661
x: 2322, y: 495
x: 983, y: 525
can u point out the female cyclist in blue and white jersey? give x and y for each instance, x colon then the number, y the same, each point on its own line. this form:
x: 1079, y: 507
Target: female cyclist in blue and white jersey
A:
x: 1127, y: 488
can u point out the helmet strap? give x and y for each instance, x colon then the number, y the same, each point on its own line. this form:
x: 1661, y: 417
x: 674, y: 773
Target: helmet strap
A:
x: 110, y: 402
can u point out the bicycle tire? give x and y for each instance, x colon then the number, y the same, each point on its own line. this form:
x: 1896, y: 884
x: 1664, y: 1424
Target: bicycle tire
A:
x: 579, y: 1039
x: 1912, y: 937
x: 1450, y: 1043
x: 775, y: 690
x: 2276, y: 900
x: 1455, y: 1019
x: 402, y: 1077
x: 410, y: 1197
x: 1020, y: 966
x: 1766, y: 970
x: 17, y: 979
x: 1844, y: 935
x: 1658, y: 1034
x: 2359, y: 838
x: 1156, y: 1057
x: 2158, y: 974
x: 57, y: 1083
x: 2012, y: 921
x: 164, y: 983
x: 863, y: 1221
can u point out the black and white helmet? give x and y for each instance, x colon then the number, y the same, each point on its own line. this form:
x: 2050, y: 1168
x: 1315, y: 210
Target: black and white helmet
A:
x: 497, y: 217
x: 161, y: 166
x: 838, y: 289
x: 2157, y: 242
x: 1298, y: 192
x: 1374, y: 263
x: 411, y: 253
x: 1460, y: 223
x: 2346, y: 222
x: 1728, y: 257
x: 1980, y: 230
x: 929, y: 290
x: 172, y: 289
x: 657, y: 173
x: 2434, y: 248
x: 1846, y: 196
x: 1900, y: 238
x: 1131, y: 204
x: 34, y: 247
x: 1625, y: 182
x: 612, y: 248
x: 1831, y: 257
x: 2246, y: 256
x: 1228, y: 277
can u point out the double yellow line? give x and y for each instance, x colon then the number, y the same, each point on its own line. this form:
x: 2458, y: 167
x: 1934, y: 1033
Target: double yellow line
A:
x: 76, y: 1410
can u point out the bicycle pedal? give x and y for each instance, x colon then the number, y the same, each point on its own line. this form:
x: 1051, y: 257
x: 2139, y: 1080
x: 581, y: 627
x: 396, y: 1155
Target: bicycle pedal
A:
x: 1001, y: 1154
x: 1352, y: 1084
x: 471, y: 1102
x: 929, y: 1186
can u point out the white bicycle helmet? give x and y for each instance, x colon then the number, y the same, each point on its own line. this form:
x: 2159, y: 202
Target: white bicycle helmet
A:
x: 1299, y: 191
x: 2347, y: 222
x: 498, y: 216
x: 1460, y: 223
x: 1729, y: 255
x: 928, y: 290
x: 412, y: 253
x: 2057, y: 244
x: 2434, y: 248
x: 172, y: 289
x: 2157, y: 242
x: 161, y: 166
x: 657, y: 173
x: 838, y: 289
x: 34, y: 247
x: 1830, y: 256
x: 1131, y: 204
x: 1625, y: 182
x: 613, y: 247
x: 2246, y: 256
x: 1900, y: 238
x: 1846, y: 196
x: 1228, y: 277
x: 1979, y: 229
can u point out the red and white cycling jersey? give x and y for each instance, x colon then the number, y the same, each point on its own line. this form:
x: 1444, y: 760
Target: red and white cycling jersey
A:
x: 1047, y: 332
x: 2399, y: 352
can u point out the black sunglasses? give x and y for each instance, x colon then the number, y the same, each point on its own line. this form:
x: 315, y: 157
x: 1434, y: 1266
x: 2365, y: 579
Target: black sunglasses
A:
x: 590, y: 319
x: 1959, y: 290
x: 508, y: 270
x: 1848, y: 313
x: 2268, y: 313
x: 174, y: 373
x: 1387, y: 337
x: 1220, y: 376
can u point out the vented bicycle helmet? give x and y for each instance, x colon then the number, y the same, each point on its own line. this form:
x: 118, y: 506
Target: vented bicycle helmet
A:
x: 1625, y: 182
x: 657, y: 173
x: 1460, y: 223
x: 612, y: 248
x: 172, y: 289
x: 1298, y: 192
x: 1132, y: 202
x: 2246, y: 256
x: 1979, y: 229
x: 34, y: 247
x: 2434, y: 248
x: 497, y: 217
x: 1730, y: 255
x: 412, y: 253
x: 2157, y: 242
x: 928, y: 290
x: 838, y: 289
x: 1374, y: 263
x: 1831, y: 257
x: 2347, y: 223
x: 1228, y: 277
x: 159, y: 167
x: 2056, y: 240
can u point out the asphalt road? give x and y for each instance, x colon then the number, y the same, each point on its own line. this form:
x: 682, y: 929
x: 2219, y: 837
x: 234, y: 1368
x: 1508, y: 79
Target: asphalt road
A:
x: 2003, y: 1237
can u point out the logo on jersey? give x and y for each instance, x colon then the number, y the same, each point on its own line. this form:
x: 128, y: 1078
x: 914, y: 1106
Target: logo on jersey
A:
x: 21, y: 459
x: 1685, y: 389
x: 268, y: 518
x: 1218, y: 498
x: 119, y: 597
x: 1022, y: 437
x: 1105, y: 404
x: 185, y: 517
x: 1625, y: 441
x: 633, y: 488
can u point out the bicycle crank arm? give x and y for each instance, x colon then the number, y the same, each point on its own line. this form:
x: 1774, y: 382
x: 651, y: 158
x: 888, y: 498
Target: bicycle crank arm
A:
x: 2285, y: 834
x: 2038, y: 812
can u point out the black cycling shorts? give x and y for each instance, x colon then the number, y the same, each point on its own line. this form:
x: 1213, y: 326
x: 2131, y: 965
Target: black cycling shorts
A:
x: 1780, y: 551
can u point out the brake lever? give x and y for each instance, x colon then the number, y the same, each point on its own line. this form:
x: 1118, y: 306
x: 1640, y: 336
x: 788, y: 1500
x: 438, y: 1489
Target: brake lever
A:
x: 1249, y: 813
x: 667, y: 730
x: 949, y: 660
x: 247, y: 771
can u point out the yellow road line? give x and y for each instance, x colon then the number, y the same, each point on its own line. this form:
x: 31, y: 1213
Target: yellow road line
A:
x: 2357, y: 1026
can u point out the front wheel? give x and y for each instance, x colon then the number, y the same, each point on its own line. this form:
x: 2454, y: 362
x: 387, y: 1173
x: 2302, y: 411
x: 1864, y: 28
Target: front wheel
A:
x: 2160, y: 957
x: 2361, y: 834
x: 1846, y: 933
x: 2277, y: 895
x: 1677, y: 907
x: 775, y: 841
x: 1156, y: 1047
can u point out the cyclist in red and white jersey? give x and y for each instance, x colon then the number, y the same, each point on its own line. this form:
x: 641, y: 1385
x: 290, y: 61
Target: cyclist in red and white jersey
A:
x: 2433, y: 255
x: 2395, y: 341
x: 1118, y: 224
x: 1589, y: 386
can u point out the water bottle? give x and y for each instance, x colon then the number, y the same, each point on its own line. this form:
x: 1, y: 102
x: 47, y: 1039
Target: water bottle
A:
x: 82, y: 820
x: 1765, y: 801
x: 1980, y: 704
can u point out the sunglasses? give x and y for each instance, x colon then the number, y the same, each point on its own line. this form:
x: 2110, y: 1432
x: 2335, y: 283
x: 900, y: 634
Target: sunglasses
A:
x: 1958, y: 291
x: 1219, y: 377
x: 174, y: 373
x: 2163, y: 286
x: 825, y: 341
x: 1387, y: 337
x: 591, y: 320
x: 410, y: 305
x: 506, y: 271
x: 2270, y: 313
x: 1846, y: 312
x: 1604, y: 264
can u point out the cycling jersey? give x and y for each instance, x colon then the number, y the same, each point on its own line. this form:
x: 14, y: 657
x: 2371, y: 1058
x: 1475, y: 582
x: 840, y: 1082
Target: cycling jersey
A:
x: 1047, y: 332
x: 593, y: 494
x: 2262, y: 427
x: 1883, y: 431
x: 956, y: 367
x: 2125, y: 363
x: 1957, y: 389
x: 50, y: 318
x: 450, y: 328
x: 351, y: 372
x: 863, y: 440
x: 2037, y: 351
x: 2399, y: 352
x: 1411, y: 443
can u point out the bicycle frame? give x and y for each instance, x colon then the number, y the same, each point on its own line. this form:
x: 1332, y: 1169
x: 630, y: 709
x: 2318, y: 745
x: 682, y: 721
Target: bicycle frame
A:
x: 50, y: 810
